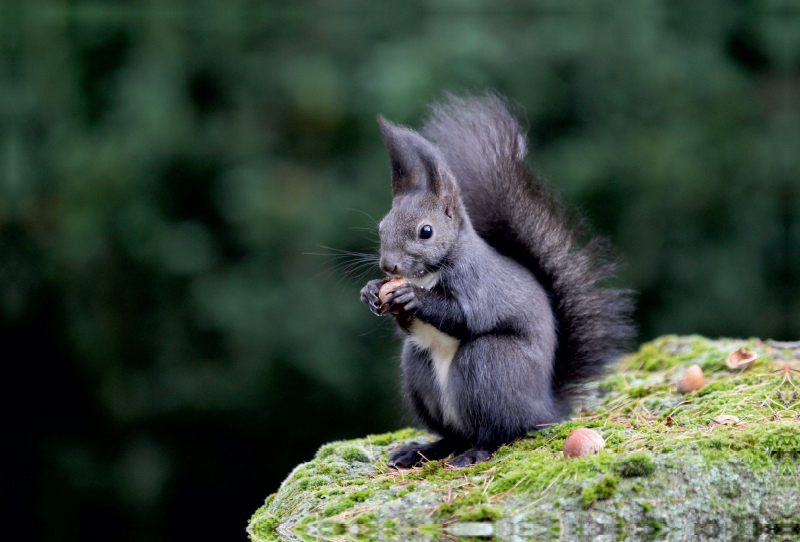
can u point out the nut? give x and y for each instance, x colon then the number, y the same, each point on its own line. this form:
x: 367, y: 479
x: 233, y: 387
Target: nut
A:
x: 583, y: 441
x: 741, y: 359
x: 692, y: 380
x: 386, y: 290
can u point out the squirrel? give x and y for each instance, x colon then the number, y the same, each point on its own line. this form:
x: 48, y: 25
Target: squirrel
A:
x: 505, y: 312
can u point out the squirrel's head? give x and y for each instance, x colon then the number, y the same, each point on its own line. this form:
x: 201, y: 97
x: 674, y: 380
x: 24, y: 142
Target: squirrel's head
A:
x: 419, y: 233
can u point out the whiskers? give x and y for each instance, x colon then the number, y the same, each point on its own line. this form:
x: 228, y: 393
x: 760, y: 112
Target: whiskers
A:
x: 371, y: 231
x: 353, y: 266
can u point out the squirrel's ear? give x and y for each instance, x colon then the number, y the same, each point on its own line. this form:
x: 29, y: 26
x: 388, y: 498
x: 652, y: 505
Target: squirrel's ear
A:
x: 416, y: 163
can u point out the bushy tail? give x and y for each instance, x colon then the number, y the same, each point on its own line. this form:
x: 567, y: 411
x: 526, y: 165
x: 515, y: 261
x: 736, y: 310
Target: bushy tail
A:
x: 511, y: 208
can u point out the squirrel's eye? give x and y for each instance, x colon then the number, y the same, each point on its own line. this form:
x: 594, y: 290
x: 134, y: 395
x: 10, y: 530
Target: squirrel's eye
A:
x: 425, y: 232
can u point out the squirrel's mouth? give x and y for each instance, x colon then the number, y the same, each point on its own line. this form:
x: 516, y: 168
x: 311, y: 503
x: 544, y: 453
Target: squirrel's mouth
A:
x: 414, y: 276
x: 424, y: 280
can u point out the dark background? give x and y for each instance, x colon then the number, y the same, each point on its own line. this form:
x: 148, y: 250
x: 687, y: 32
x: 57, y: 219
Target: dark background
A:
x: 168, y: 349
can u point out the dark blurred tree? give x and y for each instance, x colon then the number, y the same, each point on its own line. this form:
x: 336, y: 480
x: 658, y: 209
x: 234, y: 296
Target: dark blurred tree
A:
x: 165, y: 166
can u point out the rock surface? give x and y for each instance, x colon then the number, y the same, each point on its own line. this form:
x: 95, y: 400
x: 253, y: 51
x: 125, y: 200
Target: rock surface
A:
x: 668, y: 471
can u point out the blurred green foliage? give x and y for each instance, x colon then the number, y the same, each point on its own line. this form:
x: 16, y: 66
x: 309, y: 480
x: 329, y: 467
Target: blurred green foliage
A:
x: 166, y: 167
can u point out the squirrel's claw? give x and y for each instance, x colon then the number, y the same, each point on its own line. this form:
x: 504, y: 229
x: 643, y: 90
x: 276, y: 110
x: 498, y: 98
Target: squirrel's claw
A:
x: 369, y: 296
x: 404, y: 298
x: 469, y: 457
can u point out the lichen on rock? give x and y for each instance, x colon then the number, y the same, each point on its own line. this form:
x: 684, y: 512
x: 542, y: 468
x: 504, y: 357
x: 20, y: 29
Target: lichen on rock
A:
x: 667, y: 468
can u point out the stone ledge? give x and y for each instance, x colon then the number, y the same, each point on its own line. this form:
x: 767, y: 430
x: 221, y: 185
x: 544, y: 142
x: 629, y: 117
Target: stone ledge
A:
x: 667, y: 470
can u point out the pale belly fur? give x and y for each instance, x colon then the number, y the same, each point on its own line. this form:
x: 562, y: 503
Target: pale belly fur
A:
x: 442, y: 348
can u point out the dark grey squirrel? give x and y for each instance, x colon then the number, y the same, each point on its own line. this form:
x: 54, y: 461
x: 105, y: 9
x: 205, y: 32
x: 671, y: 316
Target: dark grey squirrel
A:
x: 505, y: 311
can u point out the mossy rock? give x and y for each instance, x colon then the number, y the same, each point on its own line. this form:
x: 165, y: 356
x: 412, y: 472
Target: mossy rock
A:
x: 667, y: 471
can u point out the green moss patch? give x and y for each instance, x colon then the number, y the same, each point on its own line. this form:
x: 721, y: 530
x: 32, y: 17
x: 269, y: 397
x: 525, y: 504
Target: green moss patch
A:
x: 262, y: 525
x: 669, y: 459
x: 603, y: 489
x: 638, y: 463
x: 347, y: 451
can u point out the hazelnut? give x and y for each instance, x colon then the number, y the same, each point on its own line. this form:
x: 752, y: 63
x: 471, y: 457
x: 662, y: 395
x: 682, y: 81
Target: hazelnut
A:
x: 583, y: 441
x: 692, y: 380
x: 387, y: 288
x: 741, y: 359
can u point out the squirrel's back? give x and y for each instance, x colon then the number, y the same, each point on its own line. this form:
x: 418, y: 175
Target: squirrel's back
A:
x: 485, y: 147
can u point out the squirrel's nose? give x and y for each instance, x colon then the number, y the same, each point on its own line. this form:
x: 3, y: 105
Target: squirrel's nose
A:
x: 388, y: 268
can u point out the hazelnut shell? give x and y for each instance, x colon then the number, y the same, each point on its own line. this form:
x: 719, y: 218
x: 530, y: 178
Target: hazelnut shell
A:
x: 692, y: 380
x: 583, y: 441
x: 387, y: 288
x: 724, y: 419
x: 741, y: 359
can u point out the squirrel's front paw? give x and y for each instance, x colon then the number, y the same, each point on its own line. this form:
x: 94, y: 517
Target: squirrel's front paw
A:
x: 369, y: 296
x: 403, y: 297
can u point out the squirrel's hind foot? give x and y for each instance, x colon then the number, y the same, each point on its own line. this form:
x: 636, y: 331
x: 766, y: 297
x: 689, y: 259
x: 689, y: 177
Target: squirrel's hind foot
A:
x: 470, y: 457
x: 414, y: 453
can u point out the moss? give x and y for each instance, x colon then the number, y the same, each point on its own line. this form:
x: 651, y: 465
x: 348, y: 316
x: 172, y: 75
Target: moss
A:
x: 349, y: 452
x: 369, y: 517
x: 662, y: 354
x: 385, y: 439
x: 430, y: 529
x: 615, y: 382
x: 354, y: 453
x: 656, y: 440
x: 644, y: 391
x: 460, y: 504
x: 638, y: 463
x: 720, y: 385
x: 655, y: 528
x: 309, y: 518
x: 263, y: 509
x: 383, y: 484
x: 603, y: 489
x: 338, y: 507
x: 587, y: 497
x: 264, y: 526
x: 780, y: 439
x: 312, y: 481
x: 300, y: 473
x: 328, y: 469
x: 360, y: 496
x: 483, y: 512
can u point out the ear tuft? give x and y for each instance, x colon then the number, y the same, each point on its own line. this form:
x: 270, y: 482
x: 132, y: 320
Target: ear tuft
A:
x: 417, y: 165
x: 386, y: 125
x: 401, y: 155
